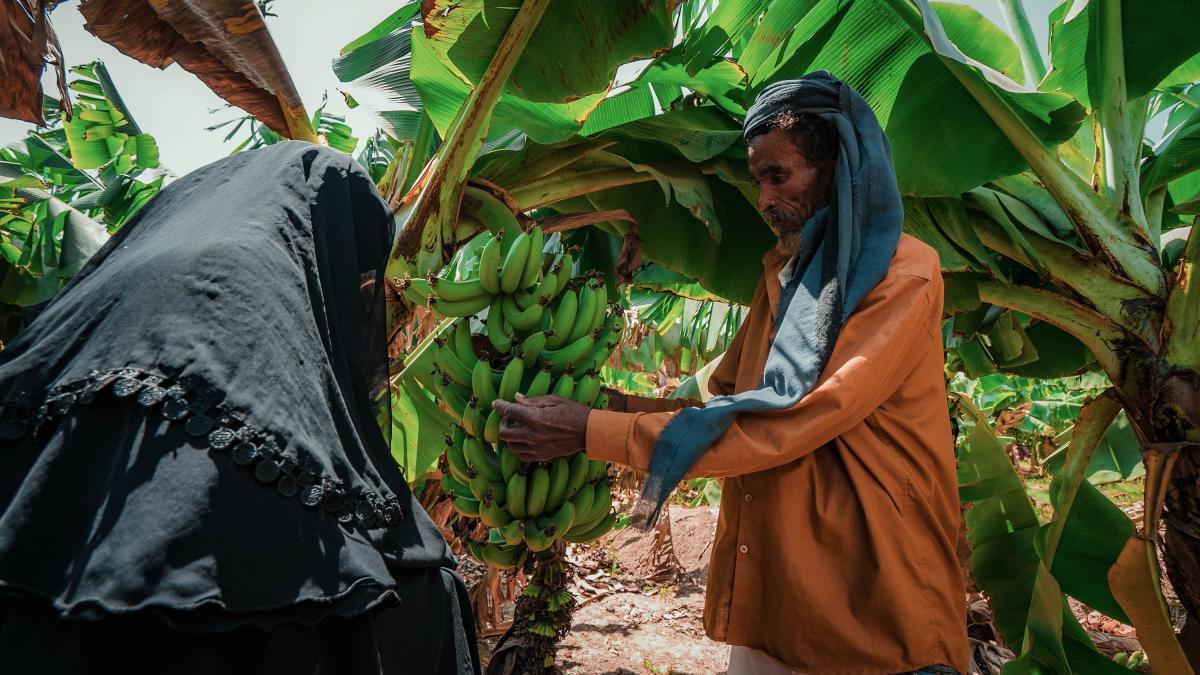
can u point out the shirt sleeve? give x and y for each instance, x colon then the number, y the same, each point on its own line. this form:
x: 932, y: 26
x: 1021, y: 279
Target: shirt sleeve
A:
x: 877, y: 348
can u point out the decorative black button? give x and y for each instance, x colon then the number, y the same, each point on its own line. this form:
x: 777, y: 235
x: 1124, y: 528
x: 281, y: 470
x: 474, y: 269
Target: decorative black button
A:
x: 266, y: 470
x: 199, y: 425
x: 220, y: 438
x: 175, y: 409
x: 363, y: 510
x: 245, y: 453
x: 11, y: 430
x: 287, y: 486
x: 125, y: 387
x: 151, y: 396
x: 311, y: 496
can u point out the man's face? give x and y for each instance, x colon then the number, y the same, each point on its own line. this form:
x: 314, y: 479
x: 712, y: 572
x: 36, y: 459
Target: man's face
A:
x: 789, y: 188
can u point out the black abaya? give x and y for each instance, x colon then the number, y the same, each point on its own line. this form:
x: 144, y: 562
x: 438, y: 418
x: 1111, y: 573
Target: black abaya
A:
x: 191, y: 458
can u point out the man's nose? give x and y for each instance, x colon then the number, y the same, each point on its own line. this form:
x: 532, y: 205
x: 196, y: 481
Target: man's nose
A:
x: 766, y: 200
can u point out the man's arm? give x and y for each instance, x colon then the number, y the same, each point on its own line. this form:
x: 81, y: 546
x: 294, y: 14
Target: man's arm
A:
x: 876, y: 350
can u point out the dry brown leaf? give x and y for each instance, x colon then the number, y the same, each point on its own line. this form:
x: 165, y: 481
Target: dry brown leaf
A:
x: 27, y: 43
x: 225, y: 43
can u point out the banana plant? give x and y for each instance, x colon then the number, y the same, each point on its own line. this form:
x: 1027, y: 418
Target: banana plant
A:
x: 1052, y: 241
x: 65, y: 188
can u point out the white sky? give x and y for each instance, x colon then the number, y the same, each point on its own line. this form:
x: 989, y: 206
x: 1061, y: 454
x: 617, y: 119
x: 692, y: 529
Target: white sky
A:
x: 174, y: 106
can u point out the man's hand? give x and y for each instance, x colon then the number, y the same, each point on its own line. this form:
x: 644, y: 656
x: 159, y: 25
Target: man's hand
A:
x: 543, y: 428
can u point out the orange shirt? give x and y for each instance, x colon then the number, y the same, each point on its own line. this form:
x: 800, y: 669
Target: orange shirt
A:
x: 835, y: 547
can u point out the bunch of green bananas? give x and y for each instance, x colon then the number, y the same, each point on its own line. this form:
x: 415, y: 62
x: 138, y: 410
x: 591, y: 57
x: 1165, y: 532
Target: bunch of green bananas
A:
x: 547, y: 333
x: 1130, y: 660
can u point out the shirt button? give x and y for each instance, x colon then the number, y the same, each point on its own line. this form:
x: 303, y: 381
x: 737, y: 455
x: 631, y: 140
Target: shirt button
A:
x: 749, y: 498
x: 743, y: 548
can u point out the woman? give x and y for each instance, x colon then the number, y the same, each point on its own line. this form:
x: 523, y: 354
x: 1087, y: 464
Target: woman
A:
x: 193, y: 477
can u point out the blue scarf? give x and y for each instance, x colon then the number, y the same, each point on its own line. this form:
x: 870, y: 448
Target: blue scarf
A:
x: 846, y: 250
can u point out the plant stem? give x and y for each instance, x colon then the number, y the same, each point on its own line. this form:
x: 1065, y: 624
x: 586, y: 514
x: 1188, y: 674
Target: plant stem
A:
x: 1121, y: 148
x: 1103, y: 337
x: 1022, y: 32
x: 1096, y: 220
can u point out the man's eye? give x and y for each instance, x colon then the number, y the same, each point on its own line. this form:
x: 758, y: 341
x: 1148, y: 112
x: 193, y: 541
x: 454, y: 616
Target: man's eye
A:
x: 777, y: 179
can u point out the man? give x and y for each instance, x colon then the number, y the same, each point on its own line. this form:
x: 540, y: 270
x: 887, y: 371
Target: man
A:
x: 835, y: 546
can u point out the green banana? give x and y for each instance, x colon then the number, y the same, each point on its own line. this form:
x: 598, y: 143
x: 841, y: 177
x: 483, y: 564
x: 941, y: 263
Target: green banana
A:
x: 564, y: 357
x: 482, y: 459
x: 600, y: 313
x: 493, y: 514
x: 516, y: 494
x: 463, y: 347
x: 563, y: 271
x: 525, y: 298
x: 457, y: 461
x: 454, y: 488
x: 498, y: 332
x: 521, y: 319
x: 565, y: 385
x: 481, y: 384
x: 560, y: 522
x: 579, y: 472
x: 595, y: 532
x: 532, y: 346
x: 472, y: 419
x: 560, y: 474
x: 513, y: 270
x: 564, y: 319
x: 543, y: 292
x: 466, y: 506
x: 587, y: 388
x: 596, y: 469
x: 583, y: 499
x: 601, y: 401
x: 601, y: 503
x: 547, y: 290
x: 452, y: 308
x: 539, y: 488
x: 540, y: 385
x: 584, y: 315
x: 511, y: 382
x: 533, y: 261
x: 510, y: 464
x: 416, y: 291
x: 491, y: 428
x: 445, y: 359
x: 456, y: 291
x: 495, y: 556
x: 453, y: 403
x: 514, y: 532
x: 492, y: 212
x: 483, y: 489
x: 535, y: 536
x: 489, y: 266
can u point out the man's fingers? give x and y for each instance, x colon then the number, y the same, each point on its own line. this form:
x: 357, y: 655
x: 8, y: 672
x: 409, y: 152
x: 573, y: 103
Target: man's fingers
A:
x: 514, y: 411
x: 525, y: 452
x: 514, y: 433
x: 540, y: 401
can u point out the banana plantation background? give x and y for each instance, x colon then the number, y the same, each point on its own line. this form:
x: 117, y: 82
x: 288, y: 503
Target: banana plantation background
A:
x: 1062, y: 216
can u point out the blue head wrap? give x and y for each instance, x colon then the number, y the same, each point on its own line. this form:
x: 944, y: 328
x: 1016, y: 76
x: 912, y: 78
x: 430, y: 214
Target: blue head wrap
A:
x: 846, y: 250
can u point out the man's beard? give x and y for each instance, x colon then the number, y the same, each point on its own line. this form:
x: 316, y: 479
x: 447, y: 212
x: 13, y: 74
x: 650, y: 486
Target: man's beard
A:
x: 787, y: 225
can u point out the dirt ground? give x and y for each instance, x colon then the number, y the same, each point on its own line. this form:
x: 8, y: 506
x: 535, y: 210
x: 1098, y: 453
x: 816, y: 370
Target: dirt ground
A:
x: 628, y: 624
x: 625, y: 624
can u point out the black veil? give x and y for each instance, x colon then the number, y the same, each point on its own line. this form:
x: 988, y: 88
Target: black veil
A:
x: 190, y: 426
